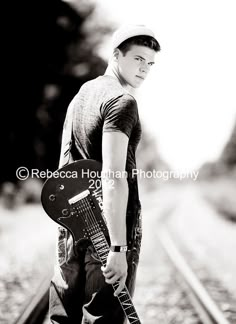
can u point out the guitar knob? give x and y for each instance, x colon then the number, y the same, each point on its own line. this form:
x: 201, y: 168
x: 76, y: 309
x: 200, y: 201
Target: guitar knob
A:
x: 61, y: 187
x: 65, y: 212
x: 52, y: 197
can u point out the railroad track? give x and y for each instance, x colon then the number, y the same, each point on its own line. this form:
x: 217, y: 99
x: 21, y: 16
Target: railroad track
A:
x: 36, y: 309
x: 35, y: 312
x: 206, y: 308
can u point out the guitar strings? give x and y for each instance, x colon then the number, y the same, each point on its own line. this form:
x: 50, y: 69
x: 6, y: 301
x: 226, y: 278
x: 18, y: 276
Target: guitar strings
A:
x: 93, y: 223
x: 92, y: 219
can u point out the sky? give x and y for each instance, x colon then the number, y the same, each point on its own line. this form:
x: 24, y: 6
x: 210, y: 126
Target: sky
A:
x: 188, y: 101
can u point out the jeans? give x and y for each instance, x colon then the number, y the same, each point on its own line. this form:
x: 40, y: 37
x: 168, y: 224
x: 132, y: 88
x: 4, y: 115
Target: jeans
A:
x: 78, y: 291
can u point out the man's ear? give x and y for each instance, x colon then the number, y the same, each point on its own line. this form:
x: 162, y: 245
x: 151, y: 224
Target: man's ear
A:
x: 116, y: 54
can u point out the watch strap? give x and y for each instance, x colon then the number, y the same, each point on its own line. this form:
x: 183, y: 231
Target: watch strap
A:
x: 119, y: 248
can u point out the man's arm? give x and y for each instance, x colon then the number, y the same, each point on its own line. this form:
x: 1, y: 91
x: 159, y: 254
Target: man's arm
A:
x: 115, y: 198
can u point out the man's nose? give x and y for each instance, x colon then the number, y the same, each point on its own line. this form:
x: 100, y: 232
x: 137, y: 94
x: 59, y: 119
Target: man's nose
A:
x: 144, y: 67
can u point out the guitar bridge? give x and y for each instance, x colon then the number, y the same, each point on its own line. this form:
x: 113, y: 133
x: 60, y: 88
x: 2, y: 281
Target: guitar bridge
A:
x: 78, y: 197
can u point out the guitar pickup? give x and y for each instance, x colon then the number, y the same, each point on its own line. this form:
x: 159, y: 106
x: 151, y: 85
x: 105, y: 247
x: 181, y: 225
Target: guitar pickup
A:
x: 78, y: 197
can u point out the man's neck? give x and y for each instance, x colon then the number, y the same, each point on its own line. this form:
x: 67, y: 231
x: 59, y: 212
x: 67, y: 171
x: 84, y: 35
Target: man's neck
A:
x: 113, y: 71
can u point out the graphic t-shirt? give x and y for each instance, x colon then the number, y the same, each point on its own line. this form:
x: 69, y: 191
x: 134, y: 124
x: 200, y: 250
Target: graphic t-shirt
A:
x: 102, y: 105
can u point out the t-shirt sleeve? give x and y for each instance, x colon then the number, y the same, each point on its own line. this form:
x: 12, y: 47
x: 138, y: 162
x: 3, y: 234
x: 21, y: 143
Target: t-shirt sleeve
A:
x: 120, y: 114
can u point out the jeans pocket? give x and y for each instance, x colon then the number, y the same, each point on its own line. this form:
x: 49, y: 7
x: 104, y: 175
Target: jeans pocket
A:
x: 62, y: 246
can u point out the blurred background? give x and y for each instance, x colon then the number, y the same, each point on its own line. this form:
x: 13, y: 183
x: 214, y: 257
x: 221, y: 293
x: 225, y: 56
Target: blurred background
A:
x: 188, y: 113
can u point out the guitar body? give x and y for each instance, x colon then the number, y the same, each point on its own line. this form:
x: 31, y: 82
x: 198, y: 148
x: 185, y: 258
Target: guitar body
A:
x: 67, y: 183
x: 72, y: 197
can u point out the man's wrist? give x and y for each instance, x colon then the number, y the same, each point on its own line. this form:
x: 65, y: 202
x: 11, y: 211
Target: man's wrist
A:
x: 119, y: 248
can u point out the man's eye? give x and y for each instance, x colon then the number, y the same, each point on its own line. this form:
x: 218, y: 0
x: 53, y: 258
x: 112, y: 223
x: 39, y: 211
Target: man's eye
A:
x: 138, y: 59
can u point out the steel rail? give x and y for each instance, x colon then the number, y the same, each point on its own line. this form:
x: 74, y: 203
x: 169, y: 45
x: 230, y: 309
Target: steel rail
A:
x: 206, y: 308
x: 36, y: 309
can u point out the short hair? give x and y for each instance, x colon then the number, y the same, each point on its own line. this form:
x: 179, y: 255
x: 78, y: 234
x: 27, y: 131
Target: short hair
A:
x: 141, y: 40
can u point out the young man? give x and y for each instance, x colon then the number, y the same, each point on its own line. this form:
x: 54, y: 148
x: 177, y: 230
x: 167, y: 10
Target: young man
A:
x: 106, y: 128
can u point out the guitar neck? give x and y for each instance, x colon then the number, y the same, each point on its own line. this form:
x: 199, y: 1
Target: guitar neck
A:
x: 102, y: 248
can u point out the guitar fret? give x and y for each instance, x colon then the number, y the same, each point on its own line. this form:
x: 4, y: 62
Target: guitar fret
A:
x: 125, y: 301
x: 101, y: 246
x: 105, y: 252
x: 132, y: 317
x: 123, y: 292
x: 126, y: 306
x: 99, y: 238
x: 102, y: 250
x: 133, y: 320
x: 124, y: 296
x: 96, y: 235
x: 98, y: 241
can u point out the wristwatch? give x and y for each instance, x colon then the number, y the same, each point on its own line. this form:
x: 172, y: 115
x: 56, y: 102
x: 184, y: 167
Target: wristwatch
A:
x: 119, y: 248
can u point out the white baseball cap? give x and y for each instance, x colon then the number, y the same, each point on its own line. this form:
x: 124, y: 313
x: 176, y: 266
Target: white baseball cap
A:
x: 129, y: 30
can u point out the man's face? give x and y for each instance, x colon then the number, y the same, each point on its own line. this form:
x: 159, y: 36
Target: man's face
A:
x: 135, y: 65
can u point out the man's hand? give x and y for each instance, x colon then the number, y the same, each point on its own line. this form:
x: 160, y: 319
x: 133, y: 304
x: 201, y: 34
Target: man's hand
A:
x: 116, y: 269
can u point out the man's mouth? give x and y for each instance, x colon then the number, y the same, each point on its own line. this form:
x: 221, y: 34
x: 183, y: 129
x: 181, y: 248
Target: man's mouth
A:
x: 138, y: 76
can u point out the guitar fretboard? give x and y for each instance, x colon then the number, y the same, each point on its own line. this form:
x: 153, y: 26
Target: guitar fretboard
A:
x: 101, y: 246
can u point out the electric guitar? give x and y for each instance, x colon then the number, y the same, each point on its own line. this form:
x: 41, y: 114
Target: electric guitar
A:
x: 72, y: 197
